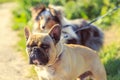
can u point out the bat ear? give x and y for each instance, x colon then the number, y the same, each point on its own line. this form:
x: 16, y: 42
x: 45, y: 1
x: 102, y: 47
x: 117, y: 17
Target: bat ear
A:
x: 27, y: 32
x: 55, y: 33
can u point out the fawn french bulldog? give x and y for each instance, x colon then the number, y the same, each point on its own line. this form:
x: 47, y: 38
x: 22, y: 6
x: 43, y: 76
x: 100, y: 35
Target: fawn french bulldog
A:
x: 56, y: 61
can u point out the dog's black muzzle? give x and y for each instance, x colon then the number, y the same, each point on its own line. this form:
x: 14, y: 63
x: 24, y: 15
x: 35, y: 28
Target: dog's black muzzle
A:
x: 38, y: 57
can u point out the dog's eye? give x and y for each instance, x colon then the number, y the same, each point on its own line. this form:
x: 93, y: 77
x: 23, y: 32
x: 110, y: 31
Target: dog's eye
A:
x: 41, y: 17
x: 44, y: 46
x: 37, y: 18
x: 66, y: 36
x: 48, y: 18
x: 27, y: 46
x: 33, y: 45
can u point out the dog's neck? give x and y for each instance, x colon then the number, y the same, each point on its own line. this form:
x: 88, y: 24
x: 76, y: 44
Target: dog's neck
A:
x: 63, y: 21
x: 59, y: 50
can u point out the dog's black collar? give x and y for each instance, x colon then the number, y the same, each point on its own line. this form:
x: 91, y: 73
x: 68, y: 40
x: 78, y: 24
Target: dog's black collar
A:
x: 59, y: 57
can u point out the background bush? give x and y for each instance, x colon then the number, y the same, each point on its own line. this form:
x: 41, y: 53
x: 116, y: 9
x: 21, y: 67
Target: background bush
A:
x: 87, y: 9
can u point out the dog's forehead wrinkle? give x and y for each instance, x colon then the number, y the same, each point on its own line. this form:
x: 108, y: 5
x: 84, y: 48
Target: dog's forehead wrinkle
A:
x: 40, y: 38
x: 46, y: 40
x: 35, y: 37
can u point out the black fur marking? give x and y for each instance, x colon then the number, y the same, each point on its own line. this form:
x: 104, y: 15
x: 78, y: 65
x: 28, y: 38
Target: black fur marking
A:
x: 72, y: 41
x: 84, y: 75
x: 39, y: 55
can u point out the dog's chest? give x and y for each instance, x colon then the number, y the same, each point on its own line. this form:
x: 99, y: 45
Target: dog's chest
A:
x: 45, y: 72
x: 48, y: 73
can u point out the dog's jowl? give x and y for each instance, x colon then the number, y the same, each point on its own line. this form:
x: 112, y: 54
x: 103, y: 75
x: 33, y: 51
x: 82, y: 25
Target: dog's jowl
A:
x: 56, y: 61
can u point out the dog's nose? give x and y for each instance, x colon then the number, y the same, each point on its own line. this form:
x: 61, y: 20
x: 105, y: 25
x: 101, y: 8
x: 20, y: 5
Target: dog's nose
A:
x: 43, y: 27
x: 35, y: 49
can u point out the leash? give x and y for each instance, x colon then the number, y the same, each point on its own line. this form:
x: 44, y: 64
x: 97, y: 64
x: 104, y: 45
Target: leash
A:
x: 98, y: 18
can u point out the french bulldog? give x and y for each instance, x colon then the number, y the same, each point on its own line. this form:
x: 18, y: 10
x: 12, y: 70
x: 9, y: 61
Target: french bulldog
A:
x: 56, y: 61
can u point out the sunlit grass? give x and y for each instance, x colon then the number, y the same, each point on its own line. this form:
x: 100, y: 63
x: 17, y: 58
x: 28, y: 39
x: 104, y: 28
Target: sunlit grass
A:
x: 110, y: 57
x: 32, y: 74
x: 110, y: 53
x: 4, y: 1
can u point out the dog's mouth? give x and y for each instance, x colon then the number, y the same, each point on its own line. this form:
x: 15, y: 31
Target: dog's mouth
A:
x: 38, y: 59
x: 36, y: 62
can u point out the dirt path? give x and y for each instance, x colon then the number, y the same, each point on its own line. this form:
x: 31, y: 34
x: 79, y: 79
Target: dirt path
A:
x: 12, y: 65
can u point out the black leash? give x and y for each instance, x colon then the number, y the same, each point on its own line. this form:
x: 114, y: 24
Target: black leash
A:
x: 96, y: 19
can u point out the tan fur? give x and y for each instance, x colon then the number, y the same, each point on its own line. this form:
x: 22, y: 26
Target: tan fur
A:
x: 74, y: 61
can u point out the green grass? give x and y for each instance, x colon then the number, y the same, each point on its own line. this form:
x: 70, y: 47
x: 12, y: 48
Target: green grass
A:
x: 32, y: 74
x: 4, y: 1
x: 22, y: 47
x: 111, y: 59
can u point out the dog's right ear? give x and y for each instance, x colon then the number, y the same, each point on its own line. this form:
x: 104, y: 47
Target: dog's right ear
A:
x: 27, y: 32
x: 55, y: 33
x: 56, y: 10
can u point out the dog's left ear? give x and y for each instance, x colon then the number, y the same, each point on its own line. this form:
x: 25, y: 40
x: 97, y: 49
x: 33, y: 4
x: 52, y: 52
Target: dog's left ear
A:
x: 27, y: 32
x: 55, y: 33
x: 56, y: 10
x: 52, y: 10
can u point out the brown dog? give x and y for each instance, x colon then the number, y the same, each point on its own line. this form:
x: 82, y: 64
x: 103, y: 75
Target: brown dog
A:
x: 56, y: 61
x: 44, y: 19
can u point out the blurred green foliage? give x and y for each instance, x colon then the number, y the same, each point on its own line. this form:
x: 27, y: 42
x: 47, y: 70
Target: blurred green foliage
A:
x: 3, y: 1
x: 87, y: 9
x: 111, y: 59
